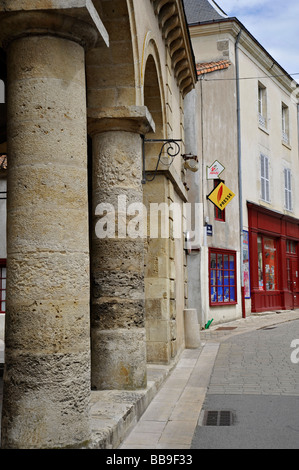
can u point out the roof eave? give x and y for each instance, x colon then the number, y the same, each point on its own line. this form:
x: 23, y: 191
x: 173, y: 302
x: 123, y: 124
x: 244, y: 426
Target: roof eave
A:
x: 173, y: 23
x: 235, y: 26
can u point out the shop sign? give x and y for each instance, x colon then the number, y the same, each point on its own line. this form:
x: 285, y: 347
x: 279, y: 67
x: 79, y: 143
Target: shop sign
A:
x: 221, y: 196
x: 215, y: 170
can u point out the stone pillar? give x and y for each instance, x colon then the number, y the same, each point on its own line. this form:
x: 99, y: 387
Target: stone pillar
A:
x: 118, y: 357
x: 47, y: 340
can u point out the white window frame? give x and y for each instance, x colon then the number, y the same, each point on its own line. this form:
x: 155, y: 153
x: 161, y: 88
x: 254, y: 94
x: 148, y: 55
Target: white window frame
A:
x: 265, y: 178
x: 262, y: 105
x: 285, y: 123
x: 288, y: 189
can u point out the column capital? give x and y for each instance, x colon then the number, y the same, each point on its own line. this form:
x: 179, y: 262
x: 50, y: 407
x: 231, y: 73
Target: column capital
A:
x: 78, y: 25
x: 122, y: 118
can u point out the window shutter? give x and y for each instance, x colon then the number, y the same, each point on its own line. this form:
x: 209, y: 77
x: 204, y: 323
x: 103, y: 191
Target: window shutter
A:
x: 265, y: 183
x: 267, y: 179
x: 288, y: 188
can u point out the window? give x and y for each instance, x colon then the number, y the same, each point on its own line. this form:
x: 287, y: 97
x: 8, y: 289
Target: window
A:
x: 265, y: 181
x: 285, y: 123
x: 2, y: 285
x: 262, y: 105
x: 2, y: 92
x: 267, y: 263
x: 222, y: 270
x: 287, y: 189
x: 218, y: 213
x: 291, y: 247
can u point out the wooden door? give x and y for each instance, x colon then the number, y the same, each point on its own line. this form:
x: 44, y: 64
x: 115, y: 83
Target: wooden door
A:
x: 295, y: 281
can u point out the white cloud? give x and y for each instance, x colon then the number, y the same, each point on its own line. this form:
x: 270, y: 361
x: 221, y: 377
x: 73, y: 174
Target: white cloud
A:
x: 243, y: 5
x: 273, y: 23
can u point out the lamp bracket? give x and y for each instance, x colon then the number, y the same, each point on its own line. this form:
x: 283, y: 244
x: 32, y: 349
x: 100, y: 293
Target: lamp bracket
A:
x: 172, y: 148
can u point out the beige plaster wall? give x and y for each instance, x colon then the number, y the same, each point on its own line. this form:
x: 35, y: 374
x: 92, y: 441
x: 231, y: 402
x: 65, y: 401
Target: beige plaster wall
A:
x: 218, y: 111
x: 267, y: 140
x: 217, y: 140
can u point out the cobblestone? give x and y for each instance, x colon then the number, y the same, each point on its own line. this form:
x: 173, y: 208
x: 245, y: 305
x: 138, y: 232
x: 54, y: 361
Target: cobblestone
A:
x: 257, y: 363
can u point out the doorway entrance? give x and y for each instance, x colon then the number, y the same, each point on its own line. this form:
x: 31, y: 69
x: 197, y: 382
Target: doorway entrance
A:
x: 293, y: 273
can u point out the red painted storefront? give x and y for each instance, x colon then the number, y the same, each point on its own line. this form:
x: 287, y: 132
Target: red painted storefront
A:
x: 274, y: 254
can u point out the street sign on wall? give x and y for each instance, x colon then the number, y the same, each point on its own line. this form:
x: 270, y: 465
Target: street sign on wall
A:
x: 209, y: 229
x: 221, y: 196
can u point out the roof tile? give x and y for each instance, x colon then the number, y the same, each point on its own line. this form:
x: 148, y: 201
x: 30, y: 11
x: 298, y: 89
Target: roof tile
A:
x: 207, y: 67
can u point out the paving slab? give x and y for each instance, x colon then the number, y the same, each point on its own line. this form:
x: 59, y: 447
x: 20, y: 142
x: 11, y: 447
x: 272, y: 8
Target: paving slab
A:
x: 152, y: 418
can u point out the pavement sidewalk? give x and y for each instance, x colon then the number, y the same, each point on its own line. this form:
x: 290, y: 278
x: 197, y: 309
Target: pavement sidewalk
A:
x: 171, y: 418
x: 165, y: 415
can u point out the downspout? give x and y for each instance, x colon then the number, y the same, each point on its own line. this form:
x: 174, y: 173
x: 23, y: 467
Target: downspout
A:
x: 240, y: 171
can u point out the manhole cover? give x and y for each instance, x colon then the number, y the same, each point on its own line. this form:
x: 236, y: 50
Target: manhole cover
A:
x: 218, y: 418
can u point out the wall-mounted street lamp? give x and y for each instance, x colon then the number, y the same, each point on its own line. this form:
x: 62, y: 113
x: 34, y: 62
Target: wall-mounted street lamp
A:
x: 172, y: 148
x: 191, y: 162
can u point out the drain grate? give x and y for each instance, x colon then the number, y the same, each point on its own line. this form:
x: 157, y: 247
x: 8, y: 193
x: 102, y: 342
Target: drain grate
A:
x: 218, y: 418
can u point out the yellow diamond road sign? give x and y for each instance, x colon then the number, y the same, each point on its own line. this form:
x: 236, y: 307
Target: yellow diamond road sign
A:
x: 221, y: 196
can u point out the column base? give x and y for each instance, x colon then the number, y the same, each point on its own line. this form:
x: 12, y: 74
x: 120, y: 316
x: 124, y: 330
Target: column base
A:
x: 118, y: 359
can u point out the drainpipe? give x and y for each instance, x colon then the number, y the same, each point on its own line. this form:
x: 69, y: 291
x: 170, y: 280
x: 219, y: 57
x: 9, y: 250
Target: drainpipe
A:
x: 240, y: 171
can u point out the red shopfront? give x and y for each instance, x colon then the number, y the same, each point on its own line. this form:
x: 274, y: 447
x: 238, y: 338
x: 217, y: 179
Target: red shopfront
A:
x: 274, y: 255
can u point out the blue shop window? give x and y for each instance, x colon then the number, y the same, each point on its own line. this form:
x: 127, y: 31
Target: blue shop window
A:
x: 232, y: 294
x: 222, y: 277
x: 220, y: 296
x: 213, y: 294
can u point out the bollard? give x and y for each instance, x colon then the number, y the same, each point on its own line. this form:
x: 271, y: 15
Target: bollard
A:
x: 192, y: 336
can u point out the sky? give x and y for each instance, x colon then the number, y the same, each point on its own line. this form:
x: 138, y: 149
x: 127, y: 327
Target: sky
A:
x: 275, y: 25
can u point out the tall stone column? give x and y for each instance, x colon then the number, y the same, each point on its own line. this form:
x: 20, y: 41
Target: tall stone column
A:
x: 47, y: 339
x: 118, y: 356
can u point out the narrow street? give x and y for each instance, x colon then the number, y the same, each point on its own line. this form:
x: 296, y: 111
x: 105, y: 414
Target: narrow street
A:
x: 244, y: 368
x: 247, y: 369
x: 256, y: 382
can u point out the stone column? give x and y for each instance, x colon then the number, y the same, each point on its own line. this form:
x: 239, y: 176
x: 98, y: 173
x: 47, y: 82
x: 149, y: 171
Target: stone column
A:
x: 47, y: 345
x: 118, y: 355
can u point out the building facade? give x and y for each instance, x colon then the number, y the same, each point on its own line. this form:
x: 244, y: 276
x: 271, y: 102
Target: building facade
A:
x: 247, y: 120
x: 89, y: 85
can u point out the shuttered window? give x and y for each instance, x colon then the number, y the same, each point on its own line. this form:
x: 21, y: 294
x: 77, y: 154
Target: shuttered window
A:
x: 287, y: 189
x: 285, y: 123
x: 262, y: 105
x: 265, y: 181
